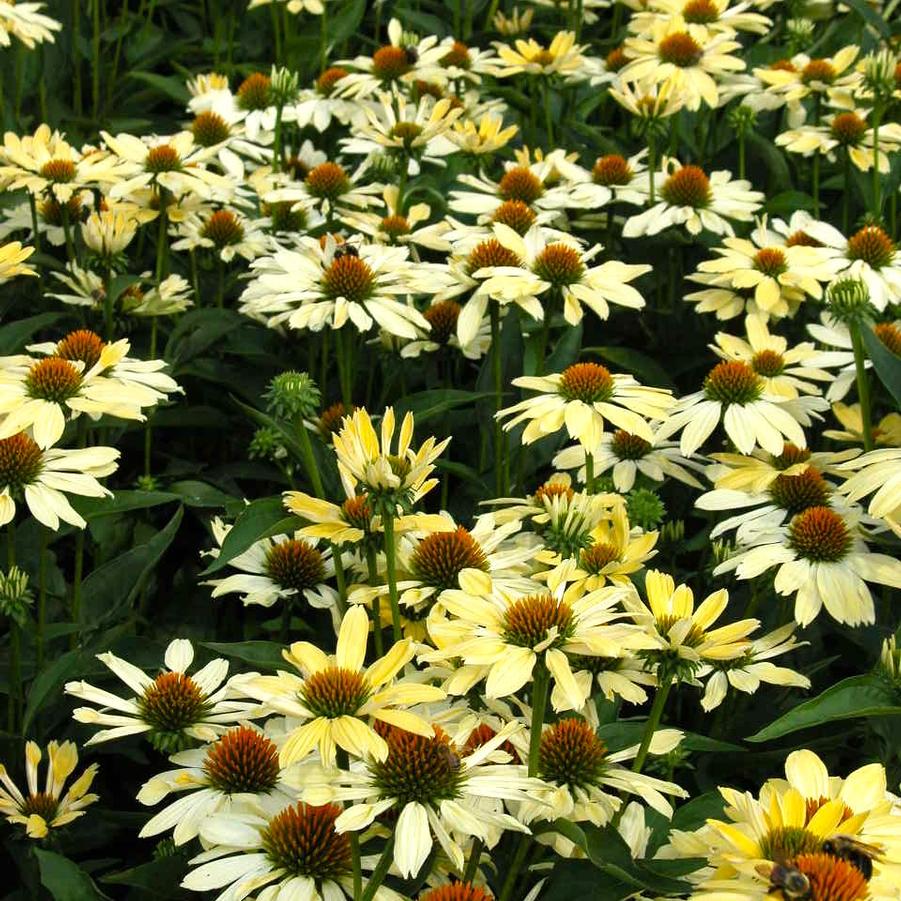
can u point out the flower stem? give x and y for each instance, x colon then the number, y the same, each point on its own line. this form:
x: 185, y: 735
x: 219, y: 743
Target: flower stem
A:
x: 846, y: 194
x: 42, y: 595
x: 95, y: 54
x: 863, y: 385
x: 815, y: 183
x: 372, y: 565
x: 162, y: 244
x: 380, y: 871
x: 519, y: 857
x: 663, y: 690
x: 548, y: 118
x: 15, y: 678
x: 877, y: 183
x: 343, y: 761
x: 541, y: 680
x: 323, y: 38
x: 391, y: 572
x: 589, y: 473
x: 741, y: 153
x: 652, y: 165
x: 502, y: 476
x: 148, y: 430
x: 472, y: 865
x: 340, y: 579
x: 309, y: 461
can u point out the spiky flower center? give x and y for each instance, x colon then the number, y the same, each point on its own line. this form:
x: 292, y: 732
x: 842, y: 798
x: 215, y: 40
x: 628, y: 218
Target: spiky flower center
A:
x: 481, y: 735
x: 890, y: 335
x: 457, y: 891
x: 688, y: 186
x: 254, y: 92
x: 440, y: 558
x: 335, y: 691
x: 549, y: 490
x: 42, y: 804
x: 209, y: 129
x: 442, y: 318
x: 51, y: 210
x: 490, y: 253
x: 21, y: 462
x: 223, y: 228
x: 536, y: 619
x: 770, y: 261
x: 389, y: 63
x: 791, y: 454
x: 358, y: 512
x: 819, y: 534
x: 326, y: 82
x: 593, y: 559
x: 58, y: 171
x: 172, y: 703
x: 818, y: 71
x: 848, y: 128
x: 284, y: 218
x: 332, y: 417
x: 784, y: 842
x: 395, y: 226
x: 615, y: 59
x: 872, y: 245
x: 587, y: 382
x: 302, y: 841
x: 243, y: 760
x: 783, y: 65
x: 798, y: 493
x: 700, y: 12
x: 162, y: 158
x: 53, y: 379
x: 571, y: 754
x: 627, y: 446
x: 733, y: 382
x: 560, y: 264
x: 417, y: 769
x: 520, y: 183
x: 802, y: 239
x: 680, y: 49
x: 665, y: 622
x: 327, y: 181
x: 457, y: 56
x: 831, y: 878
x: 82, y: 345
x: 295, y: 565
x: 612, y: 169
x: 768, y: 363
x: 349, y: 277
x: 516, y: 215
x: 406, y: 133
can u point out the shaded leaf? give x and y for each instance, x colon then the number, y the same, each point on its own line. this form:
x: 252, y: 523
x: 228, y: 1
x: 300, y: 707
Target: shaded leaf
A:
x: 65, y: 880
x: 886, y: 363
x: 265, y: 655
x: 253, y: 523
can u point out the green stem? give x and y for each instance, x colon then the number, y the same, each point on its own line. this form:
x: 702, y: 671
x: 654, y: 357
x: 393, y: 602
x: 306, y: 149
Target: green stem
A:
x: 344, y: 340
x: 323, y: 38
x: 502, y: 475
x: 472, y: 865
x: 285, y: 631
x: 815, y: 186
x: 741, y: 153
x: 541, y: 681
x: 652, y: 164
x: 277, y: 141
x: 340, y: 579
x: 15, y: 677
x: 519, y: 857
x: 391, y: 572
x: 220, y: 283
x: 548, y: 119
x: 846, y: 194
x: 372, y: 566
x: 343, y: 761
x: 309, y: 461
x: 67, y: 231
x: 663, y: 690
x: 877, y: 182
x: 195, y: 277
x: 162, y: 244
x: 76, y: 582
x: 76, y: 57
x: 108, y: 300
x: 42, y: 595
x: 589, y: 473
x: 95, y: 58
x: 863, y: 385
x: 380, y: 871
x: 276, y: 32
x: 36, y: 237
x: 148, y: 429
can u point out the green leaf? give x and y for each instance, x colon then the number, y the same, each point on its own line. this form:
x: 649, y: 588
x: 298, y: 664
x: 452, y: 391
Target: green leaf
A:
x: 200, y: 494
x: 14, y: 335
x: 645, y: 367
x: 571, y: 879
x: 116, y: 584
x: 265, y: 655
x: 426, y: 405
x: 347, y: 20
x: 168, y: 85
x: 158, y: 878
x: 567, y: 350
x: 624, y: 733
x: 886, y: 363
x: 253, y: 523
x: 851, y: 698
x: 50, y: 680
x: 870, y: 16
x: 697, y: 811
x: 121, y: 502
x: 65, y: 880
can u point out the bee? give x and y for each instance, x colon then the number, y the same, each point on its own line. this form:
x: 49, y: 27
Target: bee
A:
x: 346, y: 250
x: 856, y: 853
x: 786, y: 881
x: 412, y: 55
x: 453, y: 761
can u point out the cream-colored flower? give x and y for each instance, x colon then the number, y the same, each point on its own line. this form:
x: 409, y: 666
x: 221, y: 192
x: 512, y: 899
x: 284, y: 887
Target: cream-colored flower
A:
x: 12, y: 261
x: 45, y: 808
x: 488, y: 135
x: 563, y: 56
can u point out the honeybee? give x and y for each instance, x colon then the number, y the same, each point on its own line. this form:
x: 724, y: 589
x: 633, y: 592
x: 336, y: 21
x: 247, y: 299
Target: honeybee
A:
x: 453, y: 761
x: 786, y: 881
x: 412, y: 55
x: 346, y: 250
x: 856, y: 853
